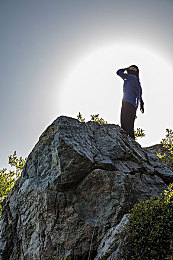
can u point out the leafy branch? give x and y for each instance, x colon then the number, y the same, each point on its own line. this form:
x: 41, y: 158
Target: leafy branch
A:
x: 9, y: 178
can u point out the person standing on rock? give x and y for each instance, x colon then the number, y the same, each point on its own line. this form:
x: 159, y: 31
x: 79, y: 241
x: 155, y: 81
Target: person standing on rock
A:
x: 132, y: 96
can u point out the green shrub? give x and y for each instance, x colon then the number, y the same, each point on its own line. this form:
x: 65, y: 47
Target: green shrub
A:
x: 167, y: 143
x: 80, y: 118
x: 168, y: 140
x: 139, y: 133
x: 94, y: 118
x: 9, y: 178
x: 149, y: 233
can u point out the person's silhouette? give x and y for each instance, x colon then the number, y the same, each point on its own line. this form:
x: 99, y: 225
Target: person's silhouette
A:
x: 132, y: 96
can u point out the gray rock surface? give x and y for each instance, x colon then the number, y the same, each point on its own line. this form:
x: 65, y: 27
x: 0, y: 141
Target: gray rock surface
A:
x: 77, y: 184
x: 109, y: 245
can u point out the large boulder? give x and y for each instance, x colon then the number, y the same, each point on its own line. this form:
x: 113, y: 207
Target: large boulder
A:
x: 77, y: 184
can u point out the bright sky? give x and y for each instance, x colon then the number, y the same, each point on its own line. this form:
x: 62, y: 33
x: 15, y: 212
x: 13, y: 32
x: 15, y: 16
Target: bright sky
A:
x: 61, y: 57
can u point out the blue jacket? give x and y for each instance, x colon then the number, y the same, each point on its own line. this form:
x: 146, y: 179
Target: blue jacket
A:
x: 132, y: 88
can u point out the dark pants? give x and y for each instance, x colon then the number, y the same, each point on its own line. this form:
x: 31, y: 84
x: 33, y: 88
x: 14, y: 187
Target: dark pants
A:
x: 128, y: 115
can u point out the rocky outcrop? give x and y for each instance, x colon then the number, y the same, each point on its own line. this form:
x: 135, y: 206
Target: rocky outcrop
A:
x: 77, y: 184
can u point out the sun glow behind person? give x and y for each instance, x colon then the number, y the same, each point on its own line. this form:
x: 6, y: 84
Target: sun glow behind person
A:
x: 92, y: 87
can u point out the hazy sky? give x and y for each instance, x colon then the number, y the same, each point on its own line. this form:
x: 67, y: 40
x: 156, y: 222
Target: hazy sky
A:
x: 60, y: 57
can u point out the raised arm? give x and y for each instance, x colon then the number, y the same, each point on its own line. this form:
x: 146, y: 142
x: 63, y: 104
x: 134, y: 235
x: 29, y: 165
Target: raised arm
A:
x: 124, y: 76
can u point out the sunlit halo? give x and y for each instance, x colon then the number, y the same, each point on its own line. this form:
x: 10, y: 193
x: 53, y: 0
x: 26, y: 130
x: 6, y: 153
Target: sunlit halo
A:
x: 92, y: 86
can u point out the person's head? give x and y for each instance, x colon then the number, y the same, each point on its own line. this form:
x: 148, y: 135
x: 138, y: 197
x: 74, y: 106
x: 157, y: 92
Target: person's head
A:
x: 134, y: 70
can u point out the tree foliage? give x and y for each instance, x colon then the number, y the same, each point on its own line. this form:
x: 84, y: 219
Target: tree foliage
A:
x: 94, y: 118
x: 148, y: 234
x: 80, y: 118
x: 9, y: 177
x: 167, y: 143
x: 139, y: 133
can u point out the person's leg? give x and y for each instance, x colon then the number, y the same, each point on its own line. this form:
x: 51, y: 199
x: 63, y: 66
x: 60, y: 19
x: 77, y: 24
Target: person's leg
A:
x: 128, y: 114
x: 131, y: 120
x: 124, y: 118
